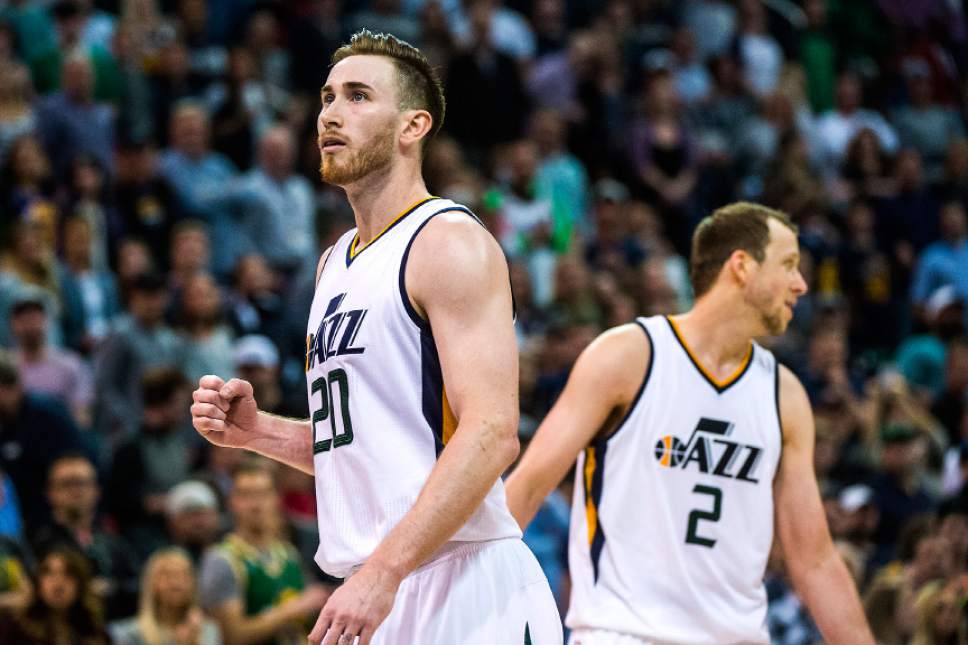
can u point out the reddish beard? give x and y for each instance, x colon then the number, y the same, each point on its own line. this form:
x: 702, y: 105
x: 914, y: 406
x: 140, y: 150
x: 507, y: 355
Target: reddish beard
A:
x: 375, y: 155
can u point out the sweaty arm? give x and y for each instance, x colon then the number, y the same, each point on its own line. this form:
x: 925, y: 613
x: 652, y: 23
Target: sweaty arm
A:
x: 600, y: 388
x: 226, y: 414
x: 816, y: 569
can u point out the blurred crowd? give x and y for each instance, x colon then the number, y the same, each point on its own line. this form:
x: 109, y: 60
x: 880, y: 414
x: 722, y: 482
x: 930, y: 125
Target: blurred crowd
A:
x: 161, y: 217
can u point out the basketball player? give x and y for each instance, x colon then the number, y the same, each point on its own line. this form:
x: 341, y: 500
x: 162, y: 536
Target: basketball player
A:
x: 411, y: 370
x: 692, y: 444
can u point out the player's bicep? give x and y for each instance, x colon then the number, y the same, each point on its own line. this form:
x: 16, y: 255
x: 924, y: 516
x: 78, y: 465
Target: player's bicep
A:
x: 322, y: 263
x: 458, y: 277
x: 601, y: 386
x: 800, y: 520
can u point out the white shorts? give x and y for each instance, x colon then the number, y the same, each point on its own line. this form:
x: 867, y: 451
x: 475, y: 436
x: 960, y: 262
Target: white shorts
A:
x: 479, y: 593
x: 604, y: 637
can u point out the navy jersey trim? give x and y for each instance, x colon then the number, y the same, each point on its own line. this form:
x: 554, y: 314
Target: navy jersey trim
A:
x: 645, y: 379
x: 401, y: 278
x: 776, y: 401
x: 350, y: 256
x: 432, y: 387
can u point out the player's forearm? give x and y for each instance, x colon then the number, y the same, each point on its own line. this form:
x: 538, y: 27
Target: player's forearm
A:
x: 479, y: 452
x: 289, y: 441
x: 829, y: 593
x: 524, y: 496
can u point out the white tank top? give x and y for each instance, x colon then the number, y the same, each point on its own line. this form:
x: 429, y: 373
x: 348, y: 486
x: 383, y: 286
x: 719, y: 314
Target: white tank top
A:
x: 380, y: 416
x: 672, y: 520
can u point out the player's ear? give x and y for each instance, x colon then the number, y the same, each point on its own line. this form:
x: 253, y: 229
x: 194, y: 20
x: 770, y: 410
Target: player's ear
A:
x: 416, y: 125
x: 739, y: 264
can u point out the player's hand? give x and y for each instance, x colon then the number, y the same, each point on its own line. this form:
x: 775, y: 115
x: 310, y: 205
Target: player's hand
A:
x: 224, y: 413
x: 356, y: 608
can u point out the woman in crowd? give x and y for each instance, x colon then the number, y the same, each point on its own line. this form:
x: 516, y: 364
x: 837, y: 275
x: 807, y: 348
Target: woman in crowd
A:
x: 63, y: 609
x: 169, y: 612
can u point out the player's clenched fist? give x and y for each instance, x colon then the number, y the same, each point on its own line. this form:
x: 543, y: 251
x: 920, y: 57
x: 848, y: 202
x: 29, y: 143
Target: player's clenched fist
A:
x: 225, y: 413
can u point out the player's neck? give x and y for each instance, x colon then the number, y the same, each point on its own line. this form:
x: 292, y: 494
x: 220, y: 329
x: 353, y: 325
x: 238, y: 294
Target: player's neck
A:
x: 717, y: 332
x: 380, y: 197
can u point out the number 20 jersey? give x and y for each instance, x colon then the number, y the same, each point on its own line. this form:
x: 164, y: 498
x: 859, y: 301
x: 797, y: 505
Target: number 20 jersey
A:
x: 380, y: 415
x: 672, y: 521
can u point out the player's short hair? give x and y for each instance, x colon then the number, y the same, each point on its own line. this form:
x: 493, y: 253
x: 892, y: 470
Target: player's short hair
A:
x: 418, y: 84
x: 742, y: 226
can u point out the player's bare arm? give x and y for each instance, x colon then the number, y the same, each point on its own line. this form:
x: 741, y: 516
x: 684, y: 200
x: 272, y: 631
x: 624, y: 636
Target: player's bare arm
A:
x: 816, y: 569
x: 601, y: 387
x: 457, y: 280
x: 227, y: 414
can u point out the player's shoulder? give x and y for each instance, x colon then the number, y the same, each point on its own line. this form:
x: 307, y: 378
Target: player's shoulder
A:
x: 455, y: 241
x: 618, y: 356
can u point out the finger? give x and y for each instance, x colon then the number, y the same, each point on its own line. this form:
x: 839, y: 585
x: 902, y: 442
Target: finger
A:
x: 210, y: 382
x: 236, y: 388
x: 207, y: 410
x: 366, y: 635
x: 333, y: 635
x: 205, y: 425
x: 319, y: 630
x: 210, y: 396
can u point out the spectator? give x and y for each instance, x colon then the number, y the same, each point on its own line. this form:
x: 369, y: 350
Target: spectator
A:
x: 208, y: 341
x: 254, y: 306
x: 146, y: 197
x: 147, y: 465
x: 899, y: 490
x: 28, y: 186
x: 71, y: 122
x: 34, y: 431
x: 950, y: 406
x: 252, y: 582
x: 89, y: 293
x: 835, y: 128
x: 664, y: 158
x: 241, y: 111
x: 63, y: 607
x: 50, y: 65
x: 922, y: 123
x: 192, y: 512
x: 257, y: 361
x: 484, y: 80
x: 277, y: 206
x: 88, y: 197
x: 169, y: 611
x: 759, y: 53
x: 190, y: 252
x: 139, y: 342
x: 17, y: 116
x: 172, y: 83
x: 198, y: 176
x: 73, y: 494
x: 53, y: 372
x: 563, y: 176
x: 945, y: 262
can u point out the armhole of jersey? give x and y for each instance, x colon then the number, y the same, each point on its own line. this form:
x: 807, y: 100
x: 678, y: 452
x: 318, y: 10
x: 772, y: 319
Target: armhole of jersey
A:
x: 645, y: 380
x: 776, y: 401
x: 404, y: 297
x: 329, y: 254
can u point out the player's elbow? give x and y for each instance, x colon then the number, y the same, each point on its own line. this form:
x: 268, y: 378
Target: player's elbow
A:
x: 504, y: 431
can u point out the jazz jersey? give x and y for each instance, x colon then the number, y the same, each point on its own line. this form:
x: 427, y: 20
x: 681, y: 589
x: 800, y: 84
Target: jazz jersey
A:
x: 672, y: 520
x: 380, y: 416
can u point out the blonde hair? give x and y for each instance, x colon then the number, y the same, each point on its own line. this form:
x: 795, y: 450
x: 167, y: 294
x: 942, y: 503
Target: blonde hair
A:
x: 418, y: 85
x: 152, y: 633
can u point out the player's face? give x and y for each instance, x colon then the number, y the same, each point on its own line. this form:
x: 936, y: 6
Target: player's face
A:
x: 777, y: 283
x: 358, y: 123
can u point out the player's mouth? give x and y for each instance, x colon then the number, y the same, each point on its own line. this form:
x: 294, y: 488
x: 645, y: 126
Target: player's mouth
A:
x: 331, y: 144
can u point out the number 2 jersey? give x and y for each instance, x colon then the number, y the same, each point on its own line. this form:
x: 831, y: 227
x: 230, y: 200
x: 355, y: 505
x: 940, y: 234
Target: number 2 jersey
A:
x: 672, y: 521
x: 380, y: 415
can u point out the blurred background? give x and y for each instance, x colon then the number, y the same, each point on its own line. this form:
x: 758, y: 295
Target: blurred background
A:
x: 161, y: 217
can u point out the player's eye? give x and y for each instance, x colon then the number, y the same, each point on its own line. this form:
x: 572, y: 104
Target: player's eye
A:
x: 359, y: 97
x: 328, y: 98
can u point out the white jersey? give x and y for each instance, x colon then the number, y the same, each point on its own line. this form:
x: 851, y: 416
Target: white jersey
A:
x: 673, y: 514
x: 380, y: 416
